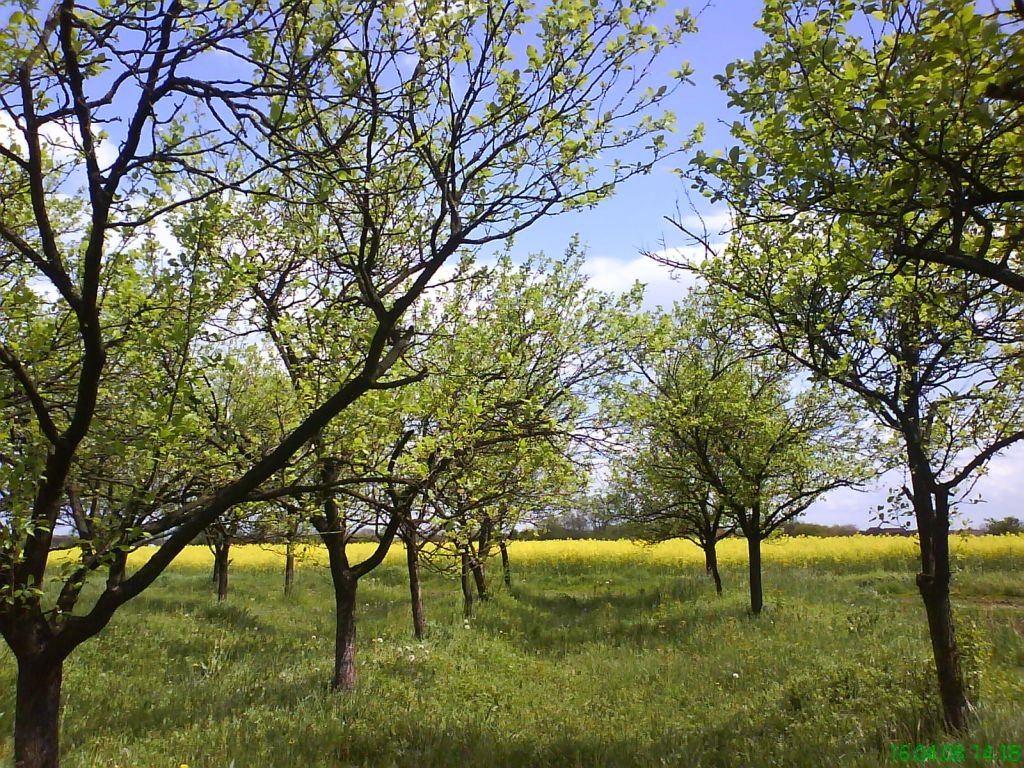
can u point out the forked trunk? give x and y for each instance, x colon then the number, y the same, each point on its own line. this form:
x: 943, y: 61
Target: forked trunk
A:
x: 412, y: 559
x: 467, y: 588
x: 344, y: 581
x: 37, y: 714
x: 711, y: 564
x: 931, y: 511
x: 345, y: 632
x: 506, y: 568
x: 754, y: 565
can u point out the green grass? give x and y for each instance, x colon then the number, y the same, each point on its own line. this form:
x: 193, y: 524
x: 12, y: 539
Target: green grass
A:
x: 585, y: 664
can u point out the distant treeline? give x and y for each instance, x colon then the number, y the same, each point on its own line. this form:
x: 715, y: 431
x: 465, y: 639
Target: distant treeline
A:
x: 569, y: 528
x: 557, y: 529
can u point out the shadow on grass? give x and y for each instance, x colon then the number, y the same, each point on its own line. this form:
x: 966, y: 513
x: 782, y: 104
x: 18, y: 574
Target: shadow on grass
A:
x: 230, y: 616
x: 265, y: 696
x: 213, y: 682
x: 209, y: 666
x: 642, y: 600
x: 563, y: 623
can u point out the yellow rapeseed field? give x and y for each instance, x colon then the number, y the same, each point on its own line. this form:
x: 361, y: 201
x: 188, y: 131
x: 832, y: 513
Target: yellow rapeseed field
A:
x: 801, y: 550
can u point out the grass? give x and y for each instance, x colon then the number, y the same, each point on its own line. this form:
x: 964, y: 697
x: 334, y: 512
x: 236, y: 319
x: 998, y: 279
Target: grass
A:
x: 603, y: 655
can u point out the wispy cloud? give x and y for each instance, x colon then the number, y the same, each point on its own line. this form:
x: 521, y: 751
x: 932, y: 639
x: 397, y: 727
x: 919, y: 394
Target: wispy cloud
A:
x: 60, y: 139
x: 663, y: 285
x: 714, y: 225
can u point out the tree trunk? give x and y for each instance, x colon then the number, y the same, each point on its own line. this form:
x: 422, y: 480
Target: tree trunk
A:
x: 412, y: 559
x: 711, y: 564
x: 506, y: 569
x: 220, y: 558
x: 480, y: 577
x: 955, y: 706
x: 933, y: 584
x: 37, y: 714
x: 116, y: 573
x: 754, y: 564
x: 345, y: 632
x: 289, y: 567
x: 467, y: 590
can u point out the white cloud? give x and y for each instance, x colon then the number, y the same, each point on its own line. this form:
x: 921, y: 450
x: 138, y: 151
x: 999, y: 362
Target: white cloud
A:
x: 663, y: 284
x: 64, y: 142
x: 846, y: 506
x: 60, y: 139
x: 161, y: 232
x: 682, y: 254
x: 999, y: 488
x: 716, y: 225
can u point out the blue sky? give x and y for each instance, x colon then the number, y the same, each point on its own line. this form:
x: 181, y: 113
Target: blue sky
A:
x: 633, y: 220
x: 618, y: 231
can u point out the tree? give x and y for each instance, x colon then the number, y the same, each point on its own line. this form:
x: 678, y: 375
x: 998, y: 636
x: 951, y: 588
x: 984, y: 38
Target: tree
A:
x: 925, y: 356
x: 522, y: 352
x: 250, y: 408
x: 599, y: 512
x: 1005, y: 525
x: 722, y: 428
x: 797, y: 528
x: 670, y: 501
x: 481, y: 500
x: 896, y: 102
x: 853, y: 195
x: 390, y: 166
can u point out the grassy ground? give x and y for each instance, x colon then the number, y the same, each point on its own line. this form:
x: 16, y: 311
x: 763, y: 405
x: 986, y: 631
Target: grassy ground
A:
x: 601, y: 656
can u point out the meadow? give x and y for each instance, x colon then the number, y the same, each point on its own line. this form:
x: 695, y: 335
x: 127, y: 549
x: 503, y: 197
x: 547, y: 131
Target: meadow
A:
x: 603, y: 654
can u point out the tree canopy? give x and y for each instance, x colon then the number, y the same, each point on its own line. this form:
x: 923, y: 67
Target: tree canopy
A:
x: 180, y: 176
x: 717, y: 427
x: 876, y: 238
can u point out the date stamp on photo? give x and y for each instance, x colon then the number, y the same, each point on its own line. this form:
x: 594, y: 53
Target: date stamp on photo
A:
x: 955, y: 752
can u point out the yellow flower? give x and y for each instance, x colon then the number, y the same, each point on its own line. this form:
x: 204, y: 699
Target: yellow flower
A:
x: 799, y: 550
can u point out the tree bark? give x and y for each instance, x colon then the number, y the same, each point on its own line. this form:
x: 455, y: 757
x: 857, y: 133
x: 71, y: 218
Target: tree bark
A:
x: 754, y: 566
x: 506, y: 568
x: 289, y: 567
x: 221, y: 551
x: 117, y: 568
x: 711, y: 564
x: 479, y: 577
x: 345, y: 632
x: 467, y: 589
x: 933, y: 584
x: 412, y: 559
x: 931, y: 511
x: 37, y: 713
x: 952, y: 693
x: 344, y: 580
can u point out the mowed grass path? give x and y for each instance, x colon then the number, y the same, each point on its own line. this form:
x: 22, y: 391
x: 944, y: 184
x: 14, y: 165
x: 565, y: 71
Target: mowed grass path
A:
x: 604, y: 654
